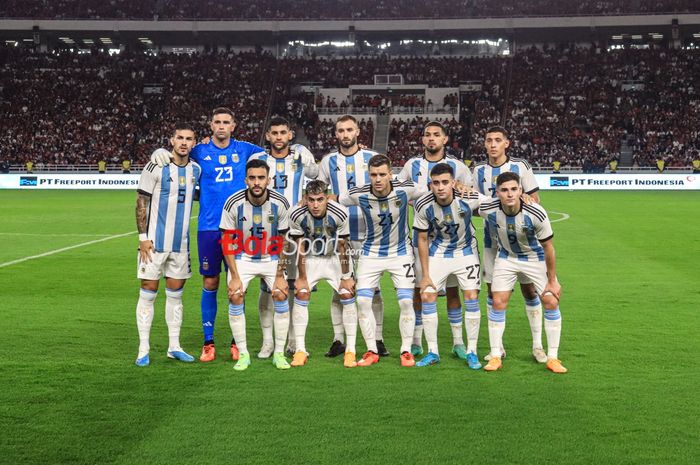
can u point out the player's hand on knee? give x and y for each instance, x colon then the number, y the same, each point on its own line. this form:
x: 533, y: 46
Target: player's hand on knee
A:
x: 427, y: 289
x: 235, y: 288
x: 280, y: 290
x: 552, y: 288
x: 302, y: 289
x: 161, y: 157
x: 346, y: 290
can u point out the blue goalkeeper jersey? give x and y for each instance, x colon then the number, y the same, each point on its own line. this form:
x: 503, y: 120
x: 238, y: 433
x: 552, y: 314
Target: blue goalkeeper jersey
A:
x: 223, y: 173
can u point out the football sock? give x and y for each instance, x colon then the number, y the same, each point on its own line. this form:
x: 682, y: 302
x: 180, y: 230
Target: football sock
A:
x: 472, y: 316
x: 291, y: 334
x: 552, y: 326
x: 533, y: 308
x: 454, y: 315
x: 173, y: 316
x: 378, y: 315
x: 350, y: 323
x: 236, y: 319
x: 430, y: 323
x: 418, y: 330
x: 281, y: 324
x: 337, y: 318
x: 208, y: 306
x: 144, y: 319
x: 365, y: 318
x: 266, y: 311
x: 300, y: 320
x: 497, y: 326
x: 407, y: 318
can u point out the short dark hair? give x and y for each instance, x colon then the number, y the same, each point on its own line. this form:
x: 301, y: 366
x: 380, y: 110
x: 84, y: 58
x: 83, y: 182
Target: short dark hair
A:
x: 278, y: 121
x: 316, y: 187
x: 436, y: 124
x: 500, y: 129
x: 379, y: 160
x: 223, y: 111
x: 442, y: 168
x: 256, y: 163
x: 183, y: 126
x: 346, y: 118
x: 507, y: 176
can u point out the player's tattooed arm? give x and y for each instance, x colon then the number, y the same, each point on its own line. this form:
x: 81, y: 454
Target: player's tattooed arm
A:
x: 145, y: 246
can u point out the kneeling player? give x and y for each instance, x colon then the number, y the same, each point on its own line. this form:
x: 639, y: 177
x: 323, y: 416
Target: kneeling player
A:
x: 321, y: 229
x: 254, y: 221
x: 447, y: 247
x: 525, y: 253
x: 162, y: 216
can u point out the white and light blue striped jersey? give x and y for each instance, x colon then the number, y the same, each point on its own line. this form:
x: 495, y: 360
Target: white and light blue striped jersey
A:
x: 417, y: 169
x: 519, y: 236
x: 267, y: 221
x: 449, y: 227
x: 287, y: 174
x: 386, y: 218
x: 343, y: 173
x: 171, y: 189
x: 324, y: 232
x: 485, y: 182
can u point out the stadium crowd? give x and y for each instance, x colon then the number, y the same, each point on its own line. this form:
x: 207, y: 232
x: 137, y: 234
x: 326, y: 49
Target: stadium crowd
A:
x: 339, y: 9
x: 577, y: 106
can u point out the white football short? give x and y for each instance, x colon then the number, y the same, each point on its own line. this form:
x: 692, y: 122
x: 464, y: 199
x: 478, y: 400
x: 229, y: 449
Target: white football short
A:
x: 323, y: 268
x: 370, y: 270
x: 451, y: 280
x: 507, y: 271
x: 464, y: 270
x: 249, y: 270
x: 174, y: 265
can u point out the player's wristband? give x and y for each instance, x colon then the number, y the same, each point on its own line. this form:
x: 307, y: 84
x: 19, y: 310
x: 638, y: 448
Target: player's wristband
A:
x: 346, y: 276
x: 143, y: 237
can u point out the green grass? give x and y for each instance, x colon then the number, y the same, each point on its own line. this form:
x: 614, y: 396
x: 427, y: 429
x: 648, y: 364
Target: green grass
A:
x: 69, y: 392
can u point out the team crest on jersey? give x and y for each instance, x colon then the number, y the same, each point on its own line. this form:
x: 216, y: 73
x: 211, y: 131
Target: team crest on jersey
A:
x: 384, y: 207
x: 493, y: 179
x: 257, y: 219
x: 222, y: 159
x: 234, y: 158
x: 182, y: 180
x: 280, y: 167
x: 461, y: 213
x: 318, y: 231
x: 511, y: 227
x: 329, y: 230
x: 448, y: 218
x: 351, y: 168
x: 192, y: 180
x: 398, y: 203
x: 271, y: 219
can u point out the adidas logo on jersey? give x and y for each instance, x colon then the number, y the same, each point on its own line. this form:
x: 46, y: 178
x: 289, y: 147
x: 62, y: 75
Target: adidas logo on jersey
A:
x: 207, y: 158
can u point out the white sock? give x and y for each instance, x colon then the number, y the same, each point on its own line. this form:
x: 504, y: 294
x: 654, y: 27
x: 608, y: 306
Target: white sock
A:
x: 337, y: 318
x: 350, y: 323
x: 365, y: 318
x: 300, y: 320
x: 266, y: 311
x: 378, y: 315
x: 472, y: 316
x: 173, y: 317
x: 533, y: 308
x: 291, y: 334
x: 430, y: 325
x: 418, y: 330
x: 236, y: 319
x: 407, y: 318
x: 144, y: 319
x: 281, y: 324
x: 552, y: 326
x: 454, y: 315
x: 497, y: 326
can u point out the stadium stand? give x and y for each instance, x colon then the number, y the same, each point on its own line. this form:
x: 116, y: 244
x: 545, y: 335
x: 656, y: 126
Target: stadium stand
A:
x: 339, y: 9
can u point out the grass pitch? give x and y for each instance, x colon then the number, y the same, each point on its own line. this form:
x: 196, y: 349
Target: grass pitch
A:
x: 69, y: 392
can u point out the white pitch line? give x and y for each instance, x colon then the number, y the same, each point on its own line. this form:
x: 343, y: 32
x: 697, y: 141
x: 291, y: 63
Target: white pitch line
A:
x: 71, y: 247
x: 564, y: 216
x: 52, y: 252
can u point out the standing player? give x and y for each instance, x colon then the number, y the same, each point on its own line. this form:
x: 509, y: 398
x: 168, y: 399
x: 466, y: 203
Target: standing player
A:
x: 418, y: 170
x: 321, y: 231
x: 446, y: 247
x: 485, y: 174
x: 342, y: 170
x: 254, y: 222
x: 387, y: 247
x: 525, y: 253
x: 163, y: 211
x: 287, y: 170
x: 223, y: 160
